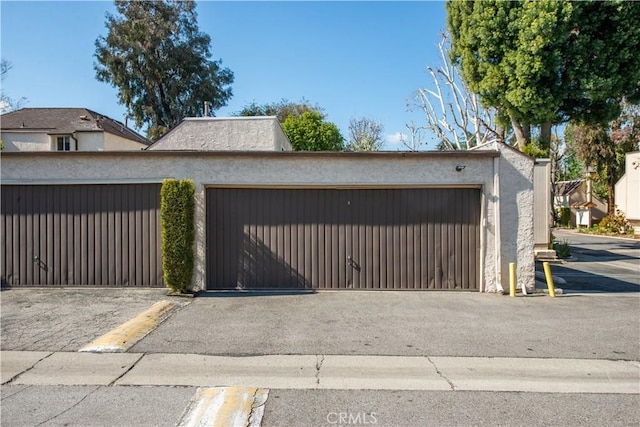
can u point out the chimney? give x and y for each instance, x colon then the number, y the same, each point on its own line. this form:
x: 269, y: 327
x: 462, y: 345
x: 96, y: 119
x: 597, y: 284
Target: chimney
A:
x: 206, y: 108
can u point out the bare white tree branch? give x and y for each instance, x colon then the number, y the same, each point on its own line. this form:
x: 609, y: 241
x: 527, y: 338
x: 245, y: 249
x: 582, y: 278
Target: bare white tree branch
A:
x: 453, y: 114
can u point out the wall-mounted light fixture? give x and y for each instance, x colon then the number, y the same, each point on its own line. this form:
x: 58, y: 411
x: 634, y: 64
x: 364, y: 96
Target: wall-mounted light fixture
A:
x: 460, y: 168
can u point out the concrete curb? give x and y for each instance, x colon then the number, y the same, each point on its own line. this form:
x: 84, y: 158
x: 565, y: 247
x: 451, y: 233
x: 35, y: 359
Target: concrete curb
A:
x: 339, y: 372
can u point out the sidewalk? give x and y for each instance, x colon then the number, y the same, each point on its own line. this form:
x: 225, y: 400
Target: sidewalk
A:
x: 337, y: 372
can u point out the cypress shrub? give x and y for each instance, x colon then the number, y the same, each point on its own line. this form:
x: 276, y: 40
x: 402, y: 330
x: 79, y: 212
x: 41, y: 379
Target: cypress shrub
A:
x: 564, y: 217
x: 178, y: 232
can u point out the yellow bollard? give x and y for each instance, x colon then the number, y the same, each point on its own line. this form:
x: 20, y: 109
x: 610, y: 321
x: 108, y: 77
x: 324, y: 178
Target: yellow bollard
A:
x: 512, y: 279
x: 547, y: 274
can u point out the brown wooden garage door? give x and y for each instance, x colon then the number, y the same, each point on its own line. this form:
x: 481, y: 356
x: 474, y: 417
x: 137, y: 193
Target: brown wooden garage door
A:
x: 417, y: 238
x: 103, y: 235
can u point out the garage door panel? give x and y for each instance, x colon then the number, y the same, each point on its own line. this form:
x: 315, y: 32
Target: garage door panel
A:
x: 343, y: 239
x: 81, y: 235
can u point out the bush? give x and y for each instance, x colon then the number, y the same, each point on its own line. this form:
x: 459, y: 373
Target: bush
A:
x: 178, y: 232
x: 563, y: 250
x: 614, y: 224
x: 564, y: 217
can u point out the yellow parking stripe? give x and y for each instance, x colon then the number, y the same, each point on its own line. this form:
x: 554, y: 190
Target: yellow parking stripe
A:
x: 126, y: 335
x: 225, y: 407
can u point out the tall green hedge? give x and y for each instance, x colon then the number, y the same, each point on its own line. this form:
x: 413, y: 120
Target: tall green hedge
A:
x: 178, y: 232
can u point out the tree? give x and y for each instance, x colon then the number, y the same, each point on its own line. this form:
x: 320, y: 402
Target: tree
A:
x: 453, y: 113
x: 160, y: 63
x: 365, y: 134
x: 310, y: 132
x: 547, y: 62
x: 569, y: 166
x: 603, y: 147
x: 8, y: 104
x: 281, y: 109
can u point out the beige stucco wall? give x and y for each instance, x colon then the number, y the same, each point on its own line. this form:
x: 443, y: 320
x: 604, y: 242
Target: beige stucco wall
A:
x: 25, y: 141
x: 628, y: 188
x: 89, y: 141
x: 516, y: 215
x: 117, y: 143
x: 515, y: 198
x: 224, y: 134
x: 282, y: 142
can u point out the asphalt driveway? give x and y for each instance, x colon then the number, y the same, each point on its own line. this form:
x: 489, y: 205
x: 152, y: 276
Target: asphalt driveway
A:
x: 65, y: 319
x: 598, y: 264
x: 403, y: 323
x: 597, y: 318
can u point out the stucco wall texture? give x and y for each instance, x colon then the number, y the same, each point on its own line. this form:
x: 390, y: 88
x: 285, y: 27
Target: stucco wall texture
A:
x: 516, y: 193
x: 87, y: 141
x: 25, y: 141
x: 513, y: 198
x: 225, y: 133
x: 628, y: 188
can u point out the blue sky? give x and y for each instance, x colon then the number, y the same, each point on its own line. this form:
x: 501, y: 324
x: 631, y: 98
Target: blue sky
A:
x: 354, y: 59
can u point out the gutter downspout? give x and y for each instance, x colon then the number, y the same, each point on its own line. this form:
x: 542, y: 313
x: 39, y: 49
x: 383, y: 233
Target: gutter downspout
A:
x: 498, y: 227
x: 75, y: 139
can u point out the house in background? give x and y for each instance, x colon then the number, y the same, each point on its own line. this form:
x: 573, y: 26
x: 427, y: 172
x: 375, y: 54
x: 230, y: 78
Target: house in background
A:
x: 628, y: 191
x: 66, y: 129
x: 586, y: 209
x: 254, y: 133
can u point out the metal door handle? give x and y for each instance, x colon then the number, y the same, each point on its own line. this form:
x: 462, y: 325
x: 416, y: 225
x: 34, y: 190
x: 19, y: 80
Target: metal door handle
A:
x: 353, y: 264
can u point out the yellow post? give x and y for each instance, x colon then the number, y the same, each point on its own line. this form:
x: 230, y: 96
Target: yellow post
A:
x: 512, y: 279
x: 547, y: 274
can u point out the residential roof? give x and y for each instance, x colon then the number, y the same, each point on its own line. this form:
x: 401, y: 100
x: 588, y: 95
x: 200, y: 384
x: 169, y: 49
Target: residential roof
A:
x: 584, y: 205
x: 564, y: 188
x: 66, y: 120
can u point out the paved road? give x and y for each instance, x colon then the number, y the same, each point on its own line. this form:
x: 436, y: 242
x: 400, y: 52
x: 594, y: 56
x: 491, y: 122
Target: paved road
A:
x: 599, y: 264
x: 134, y: 389
x: 164, y: 406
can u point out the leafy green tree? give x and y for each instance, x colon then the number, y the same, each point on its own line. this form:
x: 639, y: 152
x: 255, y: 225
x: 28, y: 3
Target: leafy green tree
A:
x: 569, y: 166
x: 365, y: 134
x: 603, y: 147
x: 544, y: 62
x: 310, y: 132
x: 281, y: 109
x: 159, y: 61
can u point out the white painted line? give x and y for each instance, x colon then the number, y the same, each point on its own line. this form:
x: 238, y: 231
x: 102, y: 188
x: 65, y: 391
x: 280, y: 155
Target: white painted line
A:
x: 225, y: 407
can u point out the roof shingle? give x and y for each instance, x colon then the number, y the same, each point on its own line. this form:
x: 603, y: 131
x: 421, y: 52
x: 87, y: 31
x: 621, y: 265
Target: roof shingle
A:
x: 66, y: 120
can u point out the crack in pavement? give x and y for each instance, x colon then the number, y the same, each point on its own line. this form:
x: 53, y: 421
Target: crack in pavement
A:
x: 27, y: 370
x: 319, y: 362
x: 69, y: 408
x: 260, y: 397
x: 17, y: 392
x: 133, y: 365
x: 443, y: 376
